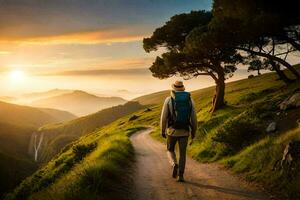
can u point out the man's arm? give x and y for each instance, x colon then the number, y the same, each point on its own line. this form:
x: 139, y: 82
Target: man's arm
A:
x: 194, y: 122
x: 164, y: 117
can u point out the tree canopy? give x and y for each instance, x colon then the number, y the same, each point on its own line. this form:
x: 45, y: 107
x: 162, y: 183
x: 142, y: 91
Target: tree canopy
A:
x: 191, y: 57
x: 269, y: 29
x: 260, y: 33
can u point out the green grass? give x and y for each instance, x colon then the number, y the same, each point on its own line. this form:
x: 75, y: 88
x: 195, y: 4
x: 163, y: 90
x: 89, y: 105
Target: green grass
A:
x: 89, y: 168
x: 235, y: 135
x: 59, y: 135
x: 95, y: 166
x: 257, y: 162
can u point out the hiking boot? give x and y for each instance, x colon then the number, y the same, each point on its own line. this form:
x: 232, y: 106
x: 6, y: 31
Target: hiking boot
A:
x: 180, y: 178
x: 175, y: 171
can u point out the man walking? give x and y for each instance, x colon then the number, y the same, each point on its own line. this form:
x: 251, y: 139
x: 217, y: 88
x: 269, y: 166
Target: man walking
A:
x: 178, y: 122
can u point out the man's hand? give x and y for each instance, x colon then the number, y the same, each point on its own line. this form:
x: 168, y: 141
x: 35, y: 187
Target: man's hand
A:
x: 163, y: 135
x: 192, y: 139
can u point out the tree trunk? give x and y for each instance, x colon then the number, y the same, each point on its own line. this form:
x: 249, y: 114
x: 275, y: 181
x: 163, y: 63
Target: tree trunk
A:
x: 281, y: 74
x: 218, y: 100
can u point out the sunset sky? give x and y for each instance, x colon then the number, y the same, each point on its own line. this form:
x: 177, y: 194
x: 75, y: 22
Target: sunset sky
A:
x: 93, y: 45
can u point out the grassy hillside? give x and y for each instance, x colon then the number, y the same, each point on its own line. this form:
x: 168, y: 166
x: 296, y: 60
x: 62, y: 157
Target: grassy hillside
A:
x: 15, y: 163
x: 93, y: 167
x: 58, y: 135
x: 234, y: 136
x: 154, y: 98
x: 79, y: 102
x: 30, y: 116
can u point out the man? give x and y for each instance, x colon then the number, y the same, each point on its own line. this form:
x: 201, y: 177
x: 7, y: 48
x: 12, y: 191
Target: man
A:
x: 178, y: 122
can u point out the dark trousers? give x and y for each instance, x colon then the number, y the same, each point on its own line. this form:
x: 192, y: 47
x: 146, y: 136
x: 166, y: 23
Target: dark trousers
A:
x: 171, y: 142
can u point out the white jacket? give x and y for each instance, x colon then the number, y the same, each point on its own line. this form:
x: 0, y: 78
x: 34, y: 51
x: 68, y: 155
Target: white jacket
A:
x: 167, y: 109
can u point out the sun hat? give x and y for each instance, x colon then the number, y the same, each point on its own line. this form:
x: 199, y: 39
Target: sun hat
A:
x: 178, y: 86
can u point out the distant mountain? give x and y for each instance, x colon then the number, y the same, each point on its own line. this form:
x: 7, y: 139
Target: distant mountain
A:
x: 79, y: 102
x: 56, y: 136
x: 30, y: 116
x: 59, y: 115
x: 46, y: 94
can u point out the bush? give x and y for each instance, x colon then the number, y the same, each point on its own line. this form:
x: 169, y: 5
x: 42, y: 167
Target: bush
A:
x: 251, y: 76
x: 82, y: 150
x: 237, y: 133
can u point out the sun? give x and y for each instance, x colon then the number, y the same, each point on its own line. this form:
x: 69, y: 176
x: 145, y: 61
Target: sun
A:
x: 17, y: 76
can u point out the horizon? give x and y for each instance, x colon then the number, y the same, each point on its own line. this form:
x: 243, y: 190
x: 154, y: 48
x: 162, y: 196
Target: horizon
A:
x: 92, y: 46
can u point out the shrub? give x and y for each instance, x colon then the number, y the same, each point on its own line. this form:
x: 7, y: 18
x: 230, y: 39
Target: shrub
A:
x: 237, y: 133
x: 82, y: 150
x: 251, y: 76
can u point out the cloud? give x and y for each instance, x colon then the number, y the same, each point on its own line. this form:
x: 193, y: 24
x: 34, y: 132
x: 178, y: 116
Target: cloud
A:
x: 101, y: 72
x: 3, y: 53
x: 91, y: 37
x: 89, y: 21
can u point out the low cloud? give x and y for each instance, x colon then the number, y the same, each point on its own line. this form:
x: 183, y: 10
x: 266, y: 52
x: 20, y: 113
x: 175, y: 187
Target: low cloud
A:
x: 101, y: 72
x: 87, y: 37
x: 3, y: 53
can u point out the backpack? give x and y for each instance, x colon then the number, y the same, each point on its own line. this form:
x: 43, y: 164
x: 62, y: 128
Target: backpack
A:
x: 181, y: 107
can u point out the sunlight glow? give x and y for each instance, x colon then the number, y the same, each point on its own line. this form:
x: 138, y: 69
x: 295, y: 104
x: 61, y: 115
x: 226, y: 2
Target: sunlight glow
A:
x: 17, y: 76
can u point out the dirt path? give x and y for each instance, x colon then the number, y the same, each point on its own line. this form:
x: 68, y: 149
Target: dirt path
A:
x: 204, y: 182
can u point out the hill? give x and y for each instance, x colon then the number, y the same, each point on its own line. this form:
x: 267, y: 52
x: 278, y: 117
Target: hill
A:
x: 79, y: 102
x: 56, y: 136
x: 93, y: 167
x: 14, y: 139
x: 152, y: 99
x: 30, y: 116
x: 15, y: 163
x: 29, y: 97
x: 234, y: 136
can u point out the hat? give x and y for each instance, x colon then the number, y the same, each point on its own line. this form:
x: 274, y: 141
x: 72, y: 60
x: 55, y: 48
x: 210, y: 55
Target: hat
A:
x: 178, y: 86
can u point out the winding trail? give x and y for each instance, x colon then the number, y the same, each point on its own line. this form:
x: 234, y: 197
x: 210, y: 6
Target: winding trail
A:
x: 153, y: 179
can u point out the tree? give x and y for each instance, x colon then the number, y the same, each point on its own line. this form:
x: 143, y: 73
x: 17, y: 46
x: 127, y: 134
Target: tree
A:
x: 221, y: 60
x: 190, y: 62
x: 255, y: 65
x: 259, y: 27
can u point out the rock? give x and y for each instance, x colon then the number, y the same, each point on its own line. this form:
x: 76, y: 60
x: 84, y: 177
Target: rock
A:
x: 148, y: 110
x: 291, y: 102
x: 278, y: 113
x: 291, y: 153
x: 271, y: 127
x: 298, y: 122
x: 133, y: 117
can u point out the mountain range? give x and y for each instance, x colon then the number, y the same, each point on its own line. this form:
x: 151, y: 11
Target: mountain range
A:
x: 78, y: 102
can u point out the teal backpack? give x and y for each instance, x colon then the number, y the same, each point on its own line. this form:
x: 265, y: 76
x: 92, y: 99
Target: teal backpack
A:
x: 182, y: 108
